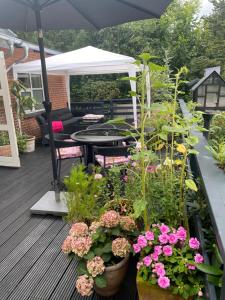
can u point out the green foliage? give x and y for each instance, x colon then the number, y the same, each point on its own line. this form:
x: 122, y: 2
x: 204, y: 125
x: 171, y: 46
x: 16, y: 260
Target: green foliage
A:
x: 21, y: 141
x: 217, y: 128
x: 4, y: 138
x: 83, y: 195
x: 218, y: 151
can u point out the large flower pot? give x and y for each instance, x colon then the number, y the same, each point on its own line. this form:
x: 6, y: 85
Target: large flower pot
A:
x: 30, y: 146
x: 153, y: 292
x: 5, y: 150
x: 114, y: 277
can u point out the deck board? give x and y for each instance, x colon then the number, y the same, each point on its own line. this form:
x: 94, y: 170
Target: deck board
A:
x: 32, y: 266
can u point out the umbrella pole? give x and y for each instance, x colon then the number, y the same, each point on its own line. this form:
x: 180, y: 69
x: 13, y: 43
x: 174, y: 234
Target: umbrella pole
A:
x: 47, y: 103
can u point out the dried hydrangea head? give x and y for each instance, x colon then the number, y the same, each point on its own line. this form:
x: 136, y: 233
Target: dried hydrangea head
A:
x: 110, y: 219
x: 85, y: 285
x: 120, y: 247
x: 66, y: 246
x: 81, y: 245
x: 127, y: 223
x: 96, y: 266
x: 79, y: 229
x: 94, y: 226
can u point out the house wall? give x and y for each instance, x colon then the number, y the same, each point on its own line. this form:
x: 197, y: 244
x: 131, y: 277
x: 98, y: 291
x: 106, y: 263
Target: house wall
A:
x: 57, y: 93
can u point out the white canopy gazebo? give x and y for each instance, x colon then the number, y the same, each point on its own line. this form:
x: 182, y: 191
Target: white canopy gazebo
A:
x: 87, y: 61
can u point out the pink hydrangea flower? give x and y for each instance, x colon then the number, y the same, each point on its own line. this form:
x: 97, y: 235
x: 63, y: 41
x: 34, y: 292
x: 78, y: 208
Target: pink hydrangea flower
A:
x: 147, y: 261
x: 81, y: 245
x: 167, y: 250
x: 181, y: 233
x: 120, y: 247
x: 199, y: 259
x: 136, y: 248
x: 127, y: 223
x: 149, y: 235
x: 194, y: 243
x: 110, y: 219
x: 173, y: 238
x: 164, y: 228
x: 85, y: 285
x: 96, y: 266
x: 191, y: 267
x: 158, y: 250
x: 79, y: 229
x: 66, y: 246
x: 164, y: 282
x: 154, y: 256
x: 142, y: 242
x: 163, y: 238
x: 94, y: 226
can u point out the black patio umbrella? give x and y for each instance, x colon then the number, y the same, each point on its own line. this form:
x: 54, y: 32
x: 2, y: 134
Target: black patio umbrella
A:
x: 32, y: 15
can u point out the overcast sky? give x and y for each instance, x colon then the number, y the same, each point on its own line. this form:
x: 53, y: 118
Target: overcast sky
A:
x: 206, y: 7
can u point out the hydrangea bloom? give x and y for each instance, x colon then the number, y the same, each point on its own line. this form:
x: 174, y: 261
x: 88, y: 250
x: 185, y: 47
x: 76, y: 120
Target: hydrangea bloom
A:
x: 199, y: 258
x: 120, y: 247
x: 194, y: 243
x: 66, y: 246
x: 110, y: 219
x: 79, y: 229
x: 94, y: 226
x: 127, y: 223
x: 81, y: 245
x: 163, y: 282
x: 85, y: 285
x: 167, y: 250
x: 96, y: 266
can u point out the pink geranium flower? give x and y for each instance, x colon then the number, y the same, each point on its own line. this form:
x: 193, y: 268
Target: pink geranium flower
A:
x: 163, y: 238
x: 164, y: 229
x: 147, y: 261
x: 194, y: 243
x: 173, y: 238
x: 149, y: 236
x: 164, y: 282
x: 181, y: 233
x: 167, y: 250
x: 199, y: 259
x: 158, y: 250
x: 161, y: 272
x: 191, y: 267
x: 142, y: 242
x: 154, y: 256
x: 136, y: 248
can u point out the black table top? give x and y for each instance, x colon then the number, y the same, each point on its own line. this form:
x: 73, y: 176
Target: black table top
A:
x: 100, y: 136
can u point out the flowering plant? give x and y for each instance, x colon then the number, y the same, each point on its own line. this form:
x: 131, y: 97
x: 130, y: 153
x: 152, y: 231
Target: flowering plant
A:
x: 168, y: 258
x: 104, y: 243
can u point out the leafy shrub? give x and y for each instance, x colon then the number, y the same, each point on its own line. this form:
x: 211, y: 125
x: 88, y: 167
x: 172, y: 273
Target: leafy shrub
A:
x: 4, y: 138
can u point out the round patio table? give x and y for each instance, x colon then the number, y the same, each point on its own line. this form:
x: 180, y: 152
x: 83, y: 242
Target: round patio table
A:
x: 98, y: 137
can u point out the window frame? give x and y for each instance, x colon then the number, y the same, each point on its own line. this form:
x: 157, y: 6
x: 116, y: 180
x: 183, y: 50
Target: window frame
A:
x: 31, y: 89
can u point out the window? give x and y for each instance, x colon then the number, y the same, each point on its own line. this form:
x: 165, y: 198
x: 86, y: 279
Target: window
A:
x: 33, y: 84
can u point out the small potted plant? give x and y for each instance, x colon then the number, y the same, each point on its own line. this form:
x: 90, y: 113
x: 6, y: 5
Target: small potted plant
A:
x: 5, y: 149
x: 102, y: 250
x: 167, y: 268
x: 23, y: 103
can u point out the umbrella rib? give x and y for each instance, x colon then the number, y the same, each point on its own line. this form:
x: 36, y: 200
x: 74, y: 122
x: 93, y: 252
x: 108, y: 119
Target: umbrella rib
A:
x: 138, y: 8
x: 82, y: 14
x: 49, y: 2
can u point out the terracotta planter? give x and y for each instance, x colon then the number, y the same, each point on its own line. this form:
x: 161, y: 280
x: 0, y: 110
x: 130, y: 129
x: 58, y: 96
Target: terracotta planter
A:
x: 114, y: 276
x: 30, y: 146
x: 153, y: 292
x: 5, y: 150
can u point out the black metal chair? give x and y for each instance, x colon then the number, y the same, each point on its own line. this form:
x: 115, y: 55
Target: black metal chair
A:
x: 66, y: 148
x: 102, y: 125
x: 106, y: 157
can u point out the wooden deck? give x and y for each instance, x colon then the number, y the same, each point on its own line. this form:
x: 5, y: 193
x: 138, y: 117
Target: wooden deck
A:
x: 31, y: 263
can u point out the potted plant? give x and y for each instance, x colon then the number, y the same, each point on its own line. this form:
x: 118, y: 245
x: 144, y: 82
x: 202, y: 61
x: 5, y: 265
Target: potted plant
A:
x: 23, y: 102
x: 168, y: 264
x: 102, y: 250
x: 5, y: 149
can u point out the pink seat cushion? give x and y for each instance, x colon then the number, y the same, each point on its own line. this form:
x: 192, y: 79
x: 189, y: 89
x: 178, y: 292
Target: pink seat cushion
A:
x: 110, y: 161
x: 69, y: 152
x: 57, y: 126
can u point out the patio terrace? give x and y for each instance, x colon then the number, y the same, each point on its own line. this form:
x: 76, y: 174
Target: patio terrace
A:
x: 31, y: 263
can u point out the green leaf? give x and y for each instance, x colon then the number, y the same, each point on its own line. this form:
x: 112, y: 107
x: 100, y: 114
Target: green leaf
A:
x: 115, y: 231
x: 191, y: 185
x: 107, y: 248
x: 209, y: 269
x: 192, y: 140
x: 139, y: 207
x: 100, y: 281
x: 215, y: 280
x: 82, y: 268
x: 106, y: 257
x: 89, y: 255
x: 98, y: 251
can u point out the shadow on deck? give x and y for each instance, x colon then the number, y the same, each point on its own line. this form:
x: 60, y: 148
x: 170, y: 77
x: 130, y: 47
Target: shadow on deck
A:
x: 31, y: 263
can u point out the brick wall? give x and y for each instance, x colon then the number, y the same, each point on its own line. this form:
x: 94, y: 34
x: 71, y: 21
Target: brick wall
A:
x: 57, y: 93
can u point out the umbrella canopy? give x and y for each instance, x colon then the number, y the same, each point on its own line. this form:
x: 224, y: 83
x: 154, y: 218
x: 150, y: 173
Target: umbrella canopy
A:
x: 84, y: 61
x: 79, y: 14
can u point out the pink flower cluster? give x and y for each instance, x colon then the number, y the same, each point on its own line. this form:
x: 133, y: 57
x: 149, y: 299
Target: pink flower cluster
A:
x: 110, y: 219
x: 127, y: 223
x: 96, y: 266
x: 94, y: 226
x: 120, y: 247
x: 79, y: 229
x: 85, y: 285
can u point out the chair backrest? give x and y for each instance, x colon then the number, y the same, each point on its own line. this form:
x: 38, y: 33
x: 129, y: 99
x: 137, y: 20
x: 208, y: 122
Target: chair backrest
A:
x: 113, y: 151
x: 62, y: 140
